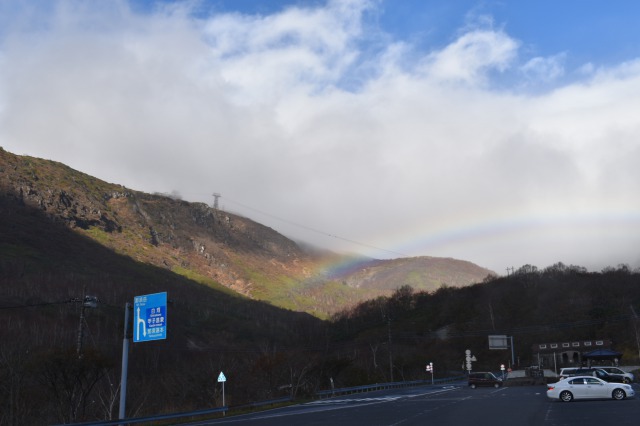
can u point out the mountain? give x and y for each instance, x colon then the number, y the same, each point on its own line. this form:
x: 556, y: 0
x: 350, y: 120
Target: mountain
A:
x: 422, y: 273
x: 213, y: 247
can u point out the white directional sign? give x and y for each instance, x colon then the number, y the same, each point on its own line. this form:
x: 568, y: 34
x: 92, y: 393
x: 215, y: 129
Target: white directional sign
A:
x: 469, y: 359
x: 150, y: 313
x: 221, y: 377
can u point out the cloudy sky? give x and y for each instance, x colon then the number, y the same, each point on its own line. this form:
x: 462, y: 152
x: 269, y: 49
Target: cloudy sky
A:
x: 499, y: 131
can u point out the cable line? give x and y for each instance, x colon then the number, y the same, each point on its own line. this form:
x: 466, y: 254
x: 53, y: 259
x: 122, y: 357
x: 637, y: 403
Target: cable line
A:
x: 316, y: 230
x: 39, y: 304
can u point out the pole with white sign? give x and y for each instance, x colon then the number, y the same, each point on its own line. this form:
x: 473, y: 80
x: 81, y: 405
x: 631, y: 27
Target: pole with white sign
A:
x: 430, y: 370
x: 222, y: 379
x: 469, y: 359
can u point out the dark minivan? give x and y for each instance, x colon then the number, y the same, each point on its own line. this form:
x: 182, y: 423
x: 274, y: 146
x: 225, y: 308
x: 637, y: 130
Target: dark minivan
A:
x: 484, y: 379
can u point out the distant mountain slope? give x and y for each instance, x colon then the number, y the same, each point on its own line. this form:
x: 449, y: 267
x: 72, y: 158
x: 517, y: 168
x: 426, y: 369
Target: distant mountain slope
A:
x: 213, y: 247
x: 421, y: 273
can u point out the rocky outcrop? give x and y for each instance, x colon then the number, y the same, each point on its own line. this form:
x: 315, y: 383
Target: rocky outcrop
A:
x: 22, y: 178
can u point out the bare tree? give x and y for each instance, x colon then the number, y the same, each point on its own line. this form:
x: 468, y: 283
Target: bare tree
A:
x: 70, y: 380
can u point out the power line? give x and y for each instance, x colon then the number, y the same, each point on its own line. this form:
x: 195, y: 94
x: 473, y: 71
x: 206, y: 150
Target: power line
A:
x: 63, y: 302
x: 31, y: 305
x: 315, y: 230
x: 533, y: 329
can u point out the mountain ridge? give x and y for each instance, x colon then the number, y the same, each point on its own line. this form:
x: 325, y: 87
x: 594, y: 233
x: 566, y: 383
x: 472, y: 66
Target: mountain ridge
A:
x: 215, y: 247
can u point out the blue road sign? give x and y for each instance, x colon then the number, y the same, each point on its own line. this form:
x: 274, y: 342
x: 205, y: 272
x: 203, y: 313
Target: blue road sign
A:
x: 150, y: 313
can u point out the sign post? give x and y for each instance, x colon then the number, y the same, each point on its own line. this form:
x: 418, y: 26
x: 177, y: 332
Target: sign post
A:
x: 125, y: 363
x: 469, y: 359
x: 502, y: 342
x: 430, y: 370
x: 222, y: 379
x: 150, y: 312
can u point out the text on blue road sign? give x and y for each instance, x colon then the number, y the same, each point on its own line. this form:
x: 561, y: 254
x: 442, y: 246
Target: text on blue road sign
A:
x: 150, y: 312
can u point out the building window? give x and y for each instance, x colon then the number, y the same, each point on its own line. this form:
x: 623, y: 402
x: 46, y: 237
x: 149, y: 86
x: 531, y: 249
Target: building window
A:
x: 554, y: 345
x: 587, y: 343
x: 543, y: 346
x: 599, y: 343
x: 575, y: 344
x: 565, y: 345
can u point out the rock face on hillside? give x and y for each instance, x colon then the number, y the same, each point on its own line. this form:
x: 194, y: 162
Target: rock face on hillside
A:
x: 189, y: 238
x: 212, y: 246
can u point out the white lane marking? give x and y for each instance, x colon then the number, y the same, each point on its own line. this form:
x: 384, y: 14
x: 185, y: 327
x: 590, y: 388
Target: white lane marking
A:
x: 351, y: 400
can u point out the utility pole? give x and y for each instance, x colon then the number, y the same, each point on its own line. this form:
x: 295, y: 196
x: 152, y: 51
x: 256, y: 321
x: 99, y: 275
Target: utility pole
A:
x: 80, y: 324
x: 390, y: 357
x: 493, y: 323
x: 87, y: 302
x: 635, y: 326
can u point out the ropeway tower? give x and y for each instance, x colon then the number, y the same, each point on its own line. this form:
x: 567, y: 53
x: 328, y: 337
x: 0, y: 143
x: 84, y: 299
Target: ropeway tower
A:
x: 216, y: 196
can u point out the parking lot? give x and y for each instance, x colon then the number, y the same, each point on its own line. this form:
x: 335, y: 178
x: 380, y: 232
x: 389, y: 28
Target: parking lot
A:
x: 449, y: 405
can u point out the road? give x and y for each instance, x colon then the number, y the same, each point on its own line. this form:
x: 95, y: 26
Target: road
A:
x: 446, y: 405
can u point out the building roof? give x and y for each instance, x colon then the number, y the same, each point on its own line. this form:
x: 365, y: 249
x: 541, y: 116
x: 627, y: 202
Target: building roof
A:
x: 602, y: 354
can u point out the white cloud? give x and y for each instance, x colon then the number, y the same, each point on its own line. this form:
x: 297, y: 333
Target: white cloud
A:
x: 422, y: 160
x: 469, y: 57
x: 266, y: 57
x: 544, y: 69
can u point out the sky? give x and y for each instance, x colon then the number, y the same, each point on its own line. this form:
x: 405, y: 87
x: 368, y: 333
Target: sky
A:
x: 501, y: 132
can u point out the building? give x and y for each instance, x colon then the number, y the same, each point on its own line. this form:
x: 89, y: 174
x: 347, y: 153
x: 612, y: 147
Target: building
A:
x: 566, y: 354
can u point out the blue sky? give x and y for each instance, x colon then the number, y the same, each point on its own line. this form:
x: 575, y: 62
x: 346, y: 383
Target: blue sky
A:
x: 500, y: 132
x: 588, y: 31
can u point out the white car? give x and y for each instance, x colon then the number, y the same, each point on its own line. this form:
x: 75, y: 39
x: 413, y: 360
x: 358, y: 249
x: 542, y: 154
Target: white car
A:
x: 616, y: 370
x: 587, y: 387
x: 566, y: 372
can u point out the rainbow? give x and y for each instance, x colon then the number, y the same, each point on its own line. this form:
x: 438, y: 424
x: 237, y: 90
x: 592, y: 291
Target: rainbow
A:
x: 494, y: 231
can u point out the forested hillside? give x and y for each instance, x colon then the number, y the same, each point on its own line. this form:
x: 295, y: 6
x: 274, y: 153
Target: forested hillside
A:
x: 556, y: 304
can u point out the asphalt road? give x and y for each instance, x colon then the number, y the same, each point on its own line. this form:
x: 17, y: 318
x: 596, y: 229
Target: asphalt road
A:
x: 447, y: 405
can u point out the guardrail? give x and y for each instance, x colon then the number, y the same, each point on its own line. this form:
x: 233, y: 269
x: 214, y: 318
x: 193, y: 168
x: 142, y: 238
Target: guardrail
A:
x: 381, y: 386
x: 150, y: 418
x: 324, y: 393
x: 137, y: 420
x: 263, y: 403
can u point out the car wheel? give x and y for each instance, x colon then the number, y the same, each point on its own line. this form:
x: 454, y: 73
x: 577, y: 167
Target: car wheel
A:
x: 473, y: 386
x: 626, y: 380
x: 618, y: 394
x: 566, y: 396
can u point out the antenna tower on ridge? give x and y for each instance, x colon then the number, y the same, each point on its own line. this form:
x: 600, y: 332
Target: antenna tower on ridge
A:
x: 216, y: 196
